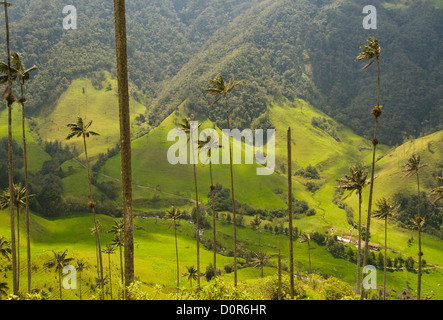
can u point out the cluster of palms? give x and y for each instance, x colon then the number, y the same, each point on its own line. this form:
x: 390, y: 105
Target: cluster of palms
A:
x: 60, y: 261
x: 18, y: 197
x: 357, y: 180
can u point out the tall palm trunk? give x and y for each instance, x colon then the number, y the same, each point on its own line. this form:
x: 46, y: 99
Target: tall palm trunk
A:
x: 18, y: 248
x: 125, y: 137
x: 291, y: 239
x: 371, y: 187
x: 60, y: 283
x: 234, y: 216
x: 27, y: 217
x: 10, y: 169
x: 359, y: 243
x: 80, y: 283
x: 385, y: 261
x: 176, y: 257
x: 309, y: 254
x: 419, y: 241
x: 196, y: 209
x: 110, y: 274
x: 97, y: 232
x: 121, y: 272
x: 214, y: 233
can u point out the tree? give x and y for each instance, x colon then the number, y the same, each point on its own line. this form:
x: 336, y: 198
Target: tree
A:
x: 20, y: 198
x: 172, y: 215
x: 5, y: 249
x: 81, y: 266
x: 10, y: 99
x: 355, y: 181
x: 412, y: 167
x: 305, y: 237
x: 125, y: 136
x: 94, y: 230
x: 187, y: 127
x: 211, y: 143
x: 18, y: 71
x: 219, y: 88
x: 437, y: 192
x: 191, y: 274
x: 110, y: 249
x: 291, y: 230
x: 371, y: 52
x: 384, y: 211
x: 117, y: 229
x: 256, y: 222
x: 58, y: 263
x: 80, y: 129
x: 260, y: 259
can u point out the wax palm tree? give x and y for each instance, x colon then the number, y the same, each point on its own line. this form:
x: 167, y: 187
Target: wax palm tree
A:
x: 19, y: 72
x: 117, y: 229
x: 437, y: 192
x: 94, y: 230
x: 20, y: 199
x: 412, y: 167
x: 221, y: 90
x: 208, y: 145
x: 371, y: 52
x: 355, y: 182
x: 81, y: 266
x: 10, y: 99
x: 306, y: 237
x: 291, y: 229
x: 186, y: 126
x: 125, y: 135
x: 191, y: 274
x: 173, y: 215
x: 3, y: 289
x: 110, y: 249
x: 256, y: 222
x: 260, y: 260
x: 58, y: 263
x: 80, y: 129
x: 5, y: 249
x: 384, y: 211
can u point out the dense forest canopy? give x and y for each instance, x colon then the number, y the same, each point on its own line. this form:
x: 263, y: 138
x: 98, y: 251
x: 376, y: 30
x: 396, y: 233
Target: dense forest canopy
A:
x: 280, y: 48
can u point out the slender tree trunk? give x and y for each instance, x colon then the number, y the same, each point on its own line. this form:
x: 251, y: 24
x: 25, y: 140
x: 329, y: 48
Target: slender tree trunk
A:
x: 27, y: 217
x: 385, y: 262
x: 176, y: 257
x: 291, y: 238
x: 214, y: 233
x: 197, y: 214
x: 419, y: 241
x: 18, y: 248
x: 234, y: 216
x: 121, y: 271
x: 80, y: 283
x: 125, y: 137
x: 359, y: 243
x: 371, y: 187
x: 309, y: 253
x: 279, y: 274
x: 110, y: 274
x: 97, y: 232
x: 60, y: 283
x: 10, y: 169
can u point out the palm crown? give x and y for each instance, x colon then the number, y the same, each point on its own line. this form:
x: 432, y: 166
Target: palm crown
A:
x: 19, y: 197
x: 384, y: 209
x: 60, y: 261
x: 17, y: 70
x: 413, y: 165
x: 355, y: 181
x: 79, y: 129
x: 371, y: 51
x: 219, y: 87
